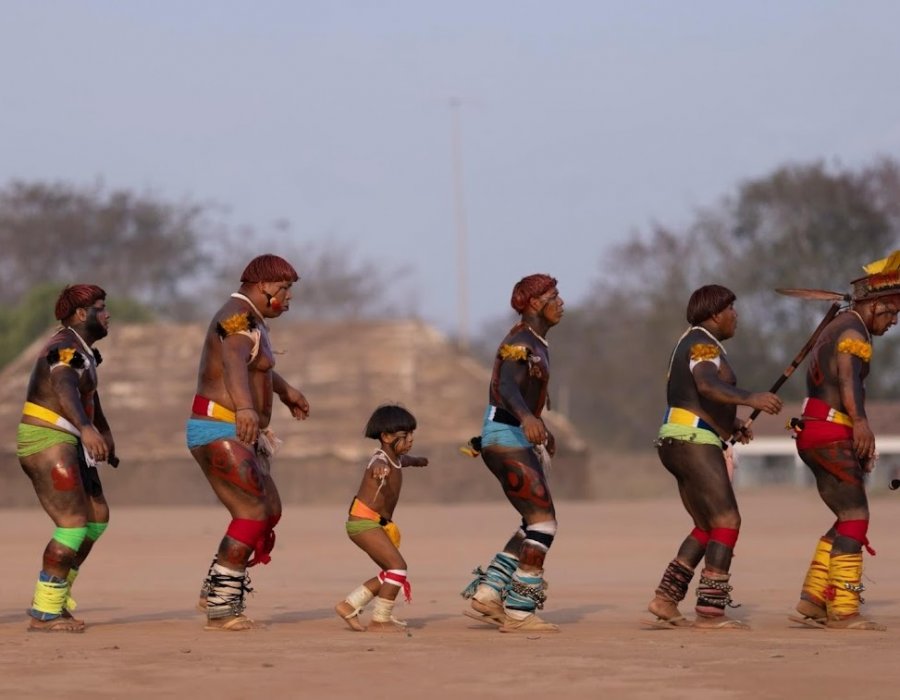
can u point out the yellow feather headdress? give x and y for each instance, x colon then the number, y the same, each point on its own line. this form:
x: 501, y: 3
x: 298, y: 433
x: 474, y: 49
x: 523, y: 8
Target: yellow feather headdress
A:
x: 882, y: 278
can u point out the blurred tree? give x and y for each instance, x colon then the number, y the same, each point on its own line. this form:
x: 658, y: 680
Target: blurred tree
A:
x: 22, y: 323
x: 156, y: 258
x: 800, y: 226
x: 334, y: 282
x: 610, y: 353
x: 134, y: 246
x: 25, y: 321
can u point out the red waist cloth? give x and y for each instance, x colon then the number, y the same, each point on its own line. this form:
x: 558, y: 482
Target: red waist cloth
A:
x: 817, y: 428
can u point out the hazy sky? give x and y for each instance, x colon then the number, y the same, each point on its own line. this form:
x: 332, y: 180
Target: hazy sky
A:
x: 582, y: 121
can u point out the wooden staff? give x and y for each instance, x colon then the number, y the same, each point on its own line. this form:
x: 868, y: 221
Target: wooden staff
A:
x: 789, y: 370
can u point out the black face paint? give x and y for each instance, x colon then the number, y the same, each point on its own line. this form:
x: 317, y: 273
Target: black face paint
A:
x: 268, y: 298
x: 92, y: 325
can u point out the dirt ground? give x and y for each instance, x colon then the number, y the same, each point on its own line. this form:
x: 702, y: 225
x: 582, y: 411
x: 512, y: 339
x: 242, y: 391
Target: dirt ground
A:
x: 144, y: 639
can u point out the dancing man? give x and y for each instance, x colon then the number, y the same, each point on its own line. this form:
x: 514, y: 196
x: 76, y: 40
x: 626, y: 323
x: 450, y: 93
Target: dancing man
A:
x: 835, y: 441
x: 702, y: 415
x: 62, y: 436
x: 229, y: 435
x: 516, y: 446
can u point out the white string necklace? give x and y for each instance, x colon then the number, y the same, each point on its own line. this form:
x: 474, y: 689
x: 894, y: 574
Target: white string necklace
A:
x: 87, y: 348
x: 683, y: 336
x: 865, y: 327
x: 539, y: 337
x: 714, y: 339
x: 389, y: 460
x: 242, y: 297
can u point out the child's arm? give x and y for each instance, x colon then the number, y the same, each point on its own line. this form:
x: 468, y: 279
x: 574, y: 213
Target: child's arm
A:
x: 410, y: 461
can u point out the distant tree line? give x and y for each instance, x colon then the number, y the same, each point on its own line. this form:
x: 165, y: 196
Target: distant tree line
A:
x: 155, y: 258
x: 807, y: 225
x: 800, y: 226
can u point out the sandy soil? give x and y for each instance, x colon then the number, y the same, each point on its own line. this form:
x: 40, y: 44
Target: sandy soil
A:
x: 144, y: 639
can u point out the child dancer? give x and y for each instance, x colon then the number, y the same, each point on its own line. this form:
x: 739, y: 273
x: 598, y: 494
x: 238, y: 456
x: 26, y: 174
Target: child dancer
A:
x: 369, y: 524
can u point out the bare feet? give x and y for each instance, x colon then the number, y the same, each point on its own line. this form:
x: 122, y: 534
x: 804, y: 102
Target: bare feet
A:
x: 532, y: 623
x: 236, y: 623
x: 350, y: 615
x: 809, y: 614
x: 719, y: 622
x: 391, y: 625
x: 855, y: 622
x: 667, y: 613
x: 57, y: 624
x: 490, y: 611
x: 66, y: 614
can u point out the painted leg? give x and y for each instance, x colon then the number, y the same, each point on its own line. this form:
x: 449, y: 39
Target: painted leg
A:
x: 488, y: 589
x: 46, y: 613
x: 525, y: 595
x: 225, y: 604
x: 671, y: 591
x: 350, y: 608
x: 843, y: 595
x: 70, y: 604
x: 811, y: 608
x: 206, y: 586
x: 713, y: 596
x: 383, y: 619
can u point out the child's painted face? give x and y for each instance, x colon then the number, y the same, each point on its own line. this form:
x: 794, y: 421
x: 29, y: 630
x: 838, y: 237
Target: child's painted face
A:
x: 401, y: 441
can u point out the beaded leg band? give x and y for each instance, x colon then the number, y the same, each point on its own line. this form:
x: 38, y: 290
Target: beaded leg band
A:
x: 497, y: 576
x: 227, y: 590
x: 714, y: 594
x: 526, y: 592
x: 675, y: 581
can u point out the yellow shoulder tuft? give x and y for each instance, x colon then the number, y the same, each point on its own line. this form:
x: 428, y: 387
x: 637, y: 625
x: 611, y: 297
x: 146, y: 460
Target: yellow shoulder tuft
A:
x: 513, y: 352
x: 857, y: 347
x: 701, y: 352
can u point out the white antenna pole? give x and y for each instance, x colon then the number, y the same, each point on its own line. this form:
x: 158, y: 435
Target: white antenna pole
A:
x: 462, y: 233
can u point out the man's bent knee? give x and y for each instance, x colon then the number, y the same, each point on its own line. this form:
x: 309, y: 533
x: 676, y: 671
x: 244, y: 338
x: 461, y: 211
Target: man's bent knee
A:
x: 729, y: 521
x: 538, y: 540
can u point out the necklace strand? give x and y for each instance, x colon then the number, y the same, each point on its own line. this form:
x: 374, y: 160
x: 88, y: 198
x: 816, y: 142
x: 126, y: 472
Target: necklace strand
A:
x: 538, y: 336
x: 390, y: 461
x: 243, y: 297
x: 87, y: 348
x: 868, y: 334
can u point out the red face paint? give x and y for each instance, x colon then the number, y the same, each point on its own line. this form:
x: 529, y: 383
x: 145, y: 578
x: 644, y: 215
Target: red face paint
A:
x: 276, y: 305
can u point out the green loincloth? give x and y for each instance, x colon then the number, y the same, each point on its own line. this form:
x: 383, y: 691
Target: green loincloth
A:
x: 689, y: 434
x: 357, y: 527
x: 31, y: 439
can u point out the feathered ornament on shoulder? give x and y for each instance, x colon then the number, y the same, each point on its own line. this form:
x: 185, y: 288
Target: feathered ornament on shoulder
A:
x: 857, y: 347
x: 70, y: 357
x: 517, y: 353
x: 238, y: 323
x: 701, y: 352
